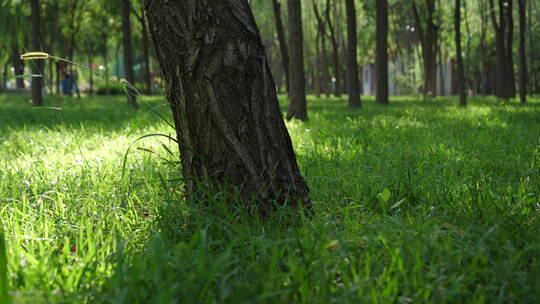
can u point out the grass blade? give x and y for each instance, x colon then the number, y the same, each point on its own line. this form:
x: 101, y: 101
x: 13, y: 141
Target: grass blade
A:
x: 4, y: 296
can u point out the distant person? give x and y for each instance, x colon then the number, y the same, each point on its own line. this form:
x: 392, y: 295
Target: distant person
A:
x: 66, y: 81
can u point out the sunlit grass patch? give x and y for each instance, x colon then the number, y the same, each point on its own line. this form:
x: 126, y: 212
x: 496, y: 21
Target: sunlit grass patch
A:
x: 419, y: 201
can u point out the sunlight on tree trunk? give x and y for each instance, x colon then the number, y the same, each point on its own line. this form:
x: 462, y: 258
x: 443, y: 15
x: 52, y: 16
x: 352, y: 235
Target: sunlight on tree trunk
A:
x: 229, y: 125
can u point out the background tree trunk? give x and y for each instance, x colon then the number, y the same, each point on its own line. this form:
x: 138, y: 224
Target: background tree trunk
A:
x: 429, y: 37
x: 522, y: 51
x: 18, y: 65
x: 335, y: 49
x: 146, y: 55
x: 228, y: 121
x: 317, y: 83
x: 459, y: 55
x: 106, y: 73
x: 37, y: 65
x: 297, y: 94
x: 128, y: 52
x: 353, y: 83
x: 91, y: 77
x: 503, y: 74
x: 283, y: 48
x: 510, y: 49
x: 5, y: 75
x: 145, y: 48
x: 382, y: 52
x: 322, y: 62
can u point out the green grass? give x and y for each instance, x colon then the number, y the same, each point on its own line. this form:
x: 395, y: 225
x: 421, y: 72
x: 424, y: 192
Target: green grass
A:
x: 416, y: 202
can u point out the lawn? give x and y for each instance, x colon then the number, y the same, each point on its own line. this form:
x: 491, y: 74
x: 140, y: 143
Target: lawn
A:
x: 415, y: 202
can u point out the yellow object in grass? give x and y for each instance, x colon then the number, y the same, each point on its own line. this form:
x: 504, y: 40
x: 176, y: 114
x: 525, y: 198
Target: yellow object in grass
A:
x: 34, y: 56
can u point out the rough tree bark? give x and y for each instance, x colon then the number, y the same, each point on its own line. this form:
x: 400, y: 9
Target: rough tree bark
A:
x: 353, y: 83
x: 297, y: 94
x: 429, y: 37
x: 229, y: 126
x: 37, y: 66
x: 382, y: 52
x: 283, y: 48
x: 522, y: 52
x: 128, y: 52
x: 459, y: 55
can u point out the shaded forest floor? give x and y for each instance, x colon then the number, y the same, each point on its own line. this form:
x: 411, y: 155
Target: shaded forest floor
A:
x: 416, y: 202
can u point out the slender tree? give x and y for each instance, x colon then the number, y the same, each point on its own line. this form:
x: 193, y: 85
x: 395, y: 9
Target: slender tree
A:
x: 37, y: 66
x: 353, y: 83
x: 75, y: 9
x: 501, y: 26
x: 18, y: 65
x: 283, y: 48
x: 145, y: 45
x: 382, y: 52
x: 509, y: 6
x: 322, y: 78
x: 429, y: 37
x: 229, y: 126
x: 297, y: 94
x: 523, y: 81
x: 332, y: 33
x: 128, y: 52
x: 459, y: 55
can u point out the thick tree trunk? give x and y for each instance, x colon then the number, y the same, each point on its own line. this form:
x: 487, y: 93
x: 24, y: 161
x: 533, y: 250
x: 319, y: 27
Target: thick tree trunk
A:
x: 283, y: 48
x: 353, y: 84
x: 229, y: 125
x: 18, y: 66
x: 297, y: 94
x: 128, y: 52
x: 459, y: 56
x: 522, y: 51
x: 382, y: 52
x: 37, y: 66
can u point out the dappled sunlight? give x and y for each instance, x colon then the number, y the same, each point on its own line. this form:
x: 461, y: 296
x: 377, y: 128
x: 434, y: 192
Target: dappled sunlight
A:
x: 423, y: 170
